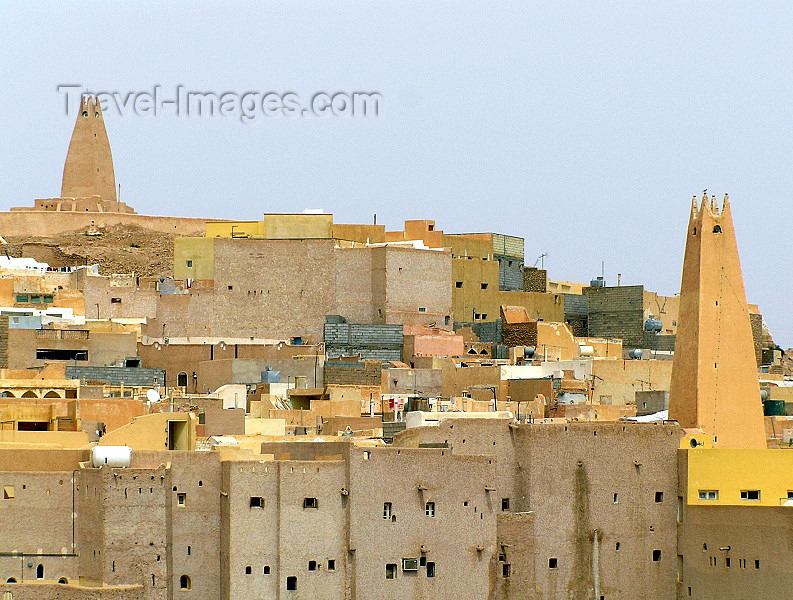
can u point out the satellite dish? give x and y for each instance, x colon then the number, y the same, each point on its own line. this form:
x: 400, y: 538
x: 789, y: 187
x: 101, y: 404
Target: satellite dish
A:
x: 153, y: 395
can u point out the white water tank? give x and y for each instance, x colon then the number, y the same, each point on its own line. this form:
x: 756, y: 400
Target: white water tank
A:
x: 112, y: 456
x: 586, y: 351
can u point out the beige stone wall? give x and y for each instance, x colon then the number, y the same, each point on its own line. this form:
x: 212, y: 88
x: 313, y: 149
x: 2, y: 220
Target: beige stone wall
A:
x: 46, y: 223
x: 575, y: 498
x: 104, y: 348
x: 282, y: 535
x: 757, y: 540
x: 618, y: 380
x: 465, y: 520
x: 106, y: 298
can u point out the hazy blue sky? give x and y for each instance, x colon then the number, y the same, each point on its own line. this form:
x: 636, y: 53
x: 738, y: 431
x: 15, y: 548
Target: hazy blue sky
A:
x: 583, y: 127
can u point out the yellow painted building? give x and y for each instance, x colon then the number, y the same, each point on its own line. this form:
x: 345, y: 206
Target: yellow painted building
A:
x: 194, y: 257
x: 739, y: 477
x: 285, y: 226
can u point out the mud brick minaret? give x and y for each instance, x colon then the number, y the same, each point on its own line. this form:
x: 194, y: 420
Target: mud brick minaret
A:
x: 714, y: 376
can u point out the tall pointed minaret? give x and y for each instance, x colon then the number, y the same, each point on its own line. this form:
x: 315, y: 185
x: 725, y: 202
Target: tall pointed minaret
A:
x: 714, y: 376
x: 88, y: 170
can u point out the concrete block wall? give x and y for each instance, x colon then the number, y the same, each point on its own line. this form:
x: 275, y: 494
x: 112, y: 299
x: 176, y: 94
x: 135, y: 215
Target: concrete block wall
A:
x: 575, y: 305
x: 133, y: 376
x: 372, y: 342
x: 490, y: 332
x: 575, y: 314
x: 617, y: 312
x: 659, y: 342
x: 510, y: 272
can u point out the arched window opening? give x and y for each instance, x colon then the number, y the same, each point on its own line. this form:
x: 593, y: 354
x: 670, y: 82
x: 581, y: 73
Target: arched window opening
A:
x: 181, y: 379
x: 185, y: 583
x: 40, y: 572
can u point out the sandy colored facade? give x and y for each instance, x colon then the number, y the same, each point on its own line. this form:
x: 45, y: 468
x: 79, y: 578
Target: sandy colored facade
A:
x: 424, y: 341
x: 302, y: 281
x: 664, y: 308
x: 617, y: 381
x: 494, y: 528
x: 28, y: 348
x: 714, y: 383
x: 180, y: 358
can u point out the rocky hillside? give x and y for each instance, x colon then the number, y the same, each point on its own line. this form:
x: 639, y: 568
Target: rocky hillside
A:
x: 119, y: 249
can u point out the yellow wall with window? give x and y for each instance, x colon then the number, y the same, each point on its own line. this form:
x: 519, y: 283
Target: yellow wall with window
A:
x: 732, y: 471
x: 194, y: 258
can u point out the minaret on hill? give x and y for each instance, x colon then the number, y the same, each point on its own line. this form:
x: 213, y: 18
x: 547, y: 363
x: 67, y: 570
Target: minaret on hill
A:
x: 714, y: 376
x: 89, y: 164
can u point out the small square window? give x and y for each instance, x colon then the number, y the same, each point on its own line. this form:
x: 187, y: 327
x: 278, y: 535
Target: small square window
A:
x: 429, y: 509
x: 291, y: 584
x: 708, y: 494
x: 266, y: 569
x: 422, y: 309
x: 659, y: 496
x: 656, y: 556
x: 484, y: 316
x: 248, y: 570
x: 115, y: 301
x: 310, y: 503
x: 22, y: 298
x: 312, y: 565
x: 410, y: 564
x: 181, y: 499
x: 504, y: 504
x: 8, y: 492
x: 430, y: 569
x: 502, y: 558
x: 331, y: 565
x: 257, y: 502
x: 458, y: 284
x: 189, y: 263
x: 553, y: 563
x: 47, y: 299
x: 390, y: 571
x: 484, y: 286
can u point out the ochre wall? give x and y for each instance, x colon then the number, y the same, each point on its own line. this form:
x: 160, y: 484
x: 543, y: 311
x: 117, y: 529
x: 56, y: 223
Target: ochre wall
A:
x: 39, y: 223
